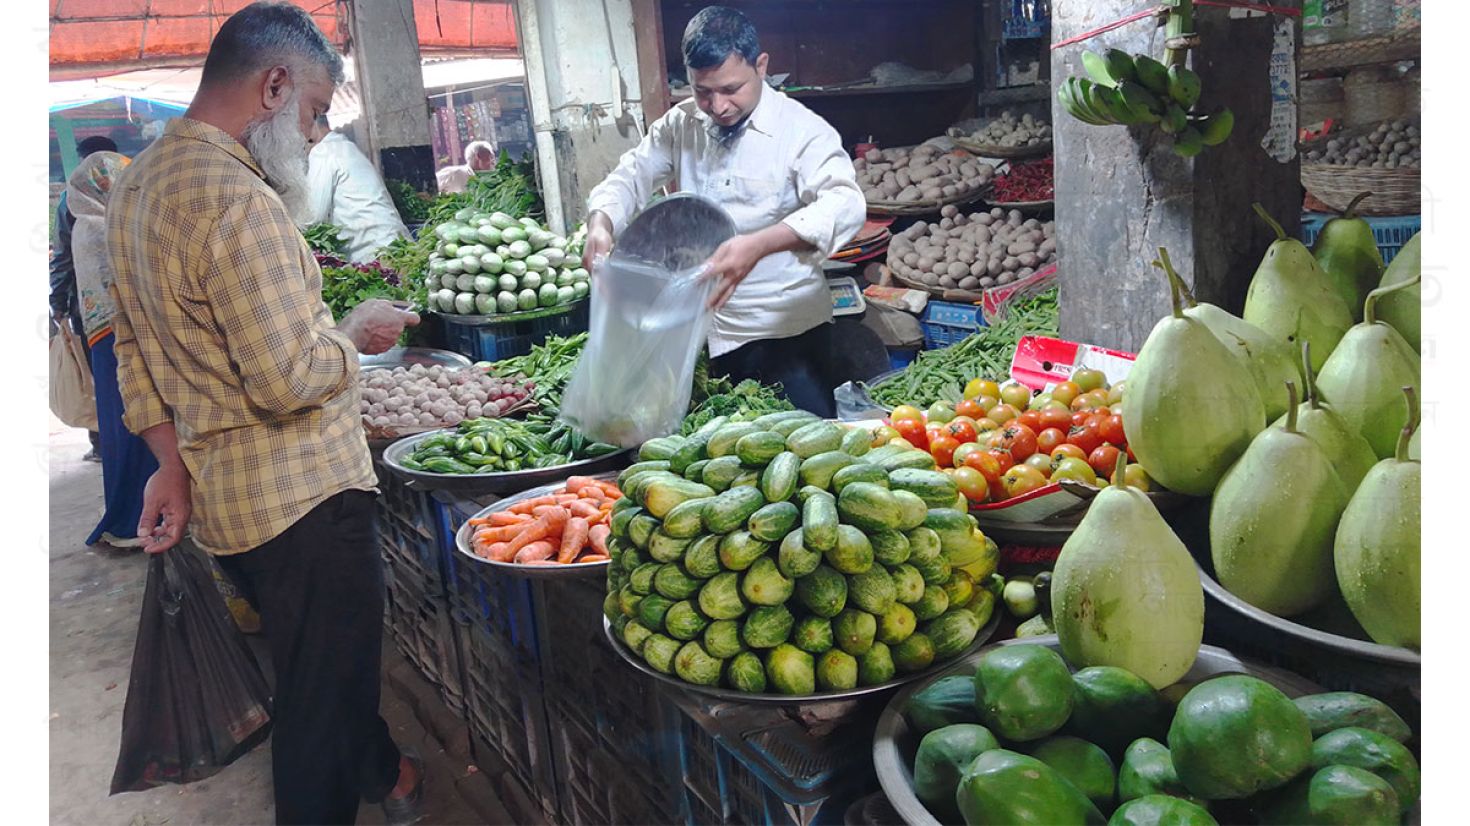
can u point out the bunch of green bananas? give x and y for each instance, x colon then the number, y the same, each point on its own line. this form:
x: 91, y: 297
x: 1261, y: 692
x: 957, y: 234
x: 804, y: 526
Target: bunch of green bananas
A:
x: 1134, y: 90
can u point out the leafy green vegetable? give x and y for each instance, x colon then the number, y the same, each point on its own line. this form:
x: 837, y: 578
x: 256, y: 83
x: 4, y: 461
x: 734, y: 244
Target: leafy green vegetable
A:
x: 510, y: 188
x: 743, y: 402
x: 548, y: 367
x: 345, y: 285
x: 325, y: 239
x: 413, y: 207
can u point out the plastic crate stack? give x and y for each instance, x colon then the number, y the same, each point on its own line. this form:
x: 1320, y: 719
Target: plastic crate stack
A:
x: 1390, y: 233
x: 416, y: 611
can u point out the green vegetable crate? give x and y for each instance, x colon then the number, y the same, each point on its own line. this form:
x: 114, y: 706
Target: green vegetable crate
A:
x: 493, y: 340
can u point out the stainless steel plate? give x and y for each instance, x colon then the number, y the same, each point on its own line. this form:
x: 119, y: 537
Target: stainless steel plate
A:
x: 574, y: 570
x: 501, y: 483
x: 409, y: 356
x: 794, y: 699
x: 894, y: 744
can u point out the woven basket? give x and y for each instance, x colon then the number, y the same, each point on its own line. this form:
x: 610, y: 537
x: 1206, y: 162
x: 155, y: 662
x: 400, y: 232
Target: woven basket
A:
x: 925, y: 207
x: 986, y: 150
x: 1395, y: 191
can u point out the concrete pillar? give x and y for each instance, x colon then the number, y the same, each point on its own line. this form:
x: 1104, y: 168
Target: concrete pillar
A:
x: 395, y: 109
x: 583, y: 79
x: 1121, y: 192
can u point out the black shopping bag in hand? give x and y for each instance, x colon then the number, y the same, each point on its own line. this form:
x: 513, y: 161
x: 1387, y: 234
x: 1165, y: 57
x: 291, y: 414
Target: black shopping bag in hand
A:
x: 197, y: 700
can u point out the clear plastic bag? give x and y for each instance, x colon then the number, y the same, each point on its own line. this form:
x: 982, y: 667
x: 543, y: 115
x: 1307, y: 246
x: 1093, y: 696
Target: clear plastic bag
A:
x: 635, y: 375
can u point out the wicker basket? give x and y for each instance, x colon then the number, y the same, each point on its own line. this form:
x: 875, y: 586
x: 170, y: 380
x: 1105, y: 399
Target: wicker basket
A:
x: 986, y: 150
x: 1374, y: 94
x: 925, y: 207
x: 1395, y: 191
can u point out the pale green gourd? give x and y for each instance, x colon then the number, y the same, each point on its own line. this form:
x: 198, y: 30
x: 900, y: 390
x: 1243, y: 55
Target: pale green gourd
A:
x: 1348, y: 253
x: 1349, y: 452
x: 1271, y: 363
x: 1362, y: 379
x: 1293, y: 299
x: 1401, y: 308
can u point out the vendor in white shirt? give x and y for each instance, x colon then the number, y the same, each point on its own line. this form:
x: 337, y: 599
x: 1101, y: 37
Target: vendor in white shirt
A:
x: 479, y: 156
x: 344, y: 189
x: 783, y: 176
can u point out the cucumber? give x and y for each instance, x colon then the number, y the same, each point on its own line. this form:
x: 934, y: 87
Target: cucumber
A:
x: 637, y: 468
x: 1342, y: 709
x: 702, y: 557
x: 531, y: 281
x: 695, y: 471
x: 759, y: 448
x: 770, y: 420
x: 501, y: 221
x: 819, y: 523
x: 814, y: 438
x: 686, y: 520
x: 526, y: 300
x: 723, y: 442
x: 492, y: 263
x: 547, y: 295
x: 665, y: 548
x: 730, y: 510
x: 515, y: 235
x: 819, y: 469
x: 536, y: 263
x: 859, y: 472
x: 509, y: 283
x: 906, y: 458
x: 786, y: 427
x: 937, y: 490
x: 564, y: 295
x: 869, y: 508
x: 720, y: 473
x: 747, y: 479
x: 779, y: 480
x: 506, y: 300
x: 772, y: 522
x: 640, y: 530
x: 515, y: 268
x: 857, y: 441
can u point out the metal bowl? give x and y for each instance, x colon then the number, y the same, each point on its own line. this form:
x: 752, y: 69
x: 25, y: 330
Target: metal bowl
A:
x: 730, y: 696
x: 462, y: 539
x: 409, y: 356
x: 498, y: 483
x: 894, y: 744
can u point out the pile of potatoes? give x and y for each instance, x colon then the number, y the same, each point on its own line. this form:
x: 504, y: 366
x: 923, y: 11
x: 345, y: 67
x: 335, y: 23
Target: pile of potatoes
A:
x: 1012, y: 132
x: 1390, y: 145
x: 973, y: 252
x: 921, y: 173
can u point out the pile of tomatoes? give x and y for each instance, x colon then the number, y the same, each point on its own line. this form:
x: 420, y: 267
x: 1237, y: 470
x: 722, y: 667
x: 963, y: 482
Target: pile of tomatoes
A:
x: 1002, y: 442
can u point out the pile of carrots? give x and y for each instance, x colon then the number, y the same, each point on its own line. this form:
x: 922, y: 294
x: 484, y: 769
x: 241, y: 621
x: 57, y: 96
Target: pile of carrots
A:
x: 558, y: 529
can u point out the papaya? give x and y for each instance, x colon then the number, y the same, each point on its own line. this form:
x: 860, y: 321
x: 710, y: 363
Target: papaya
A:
x: 1237, y: 735
x: 1351, y: 455
x: 1114, y: 707
x: 1271, y: 362
x: 1335, y: 796
x: 1374, y: 752
x: 942, y: 757
x: 1191, y: 408
x: 1401, y: 308
x: 1002, y: 787
x: 1362, y: 379
x: 1023, y: 692
x: 944, y: 702
x: 1125, y: 592
x: 1342, y: 709
x: 1293, y: 299
x: 1148, y: 771
x: 1273, y: 519
x: 1347, y: 252
x: 1082, y: 764
x: 1161, y: 810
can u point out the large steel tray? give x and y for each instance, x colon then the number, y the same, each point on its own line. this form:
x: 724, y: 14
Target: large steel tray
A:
x: 498, y: 483
x: 463, y: 536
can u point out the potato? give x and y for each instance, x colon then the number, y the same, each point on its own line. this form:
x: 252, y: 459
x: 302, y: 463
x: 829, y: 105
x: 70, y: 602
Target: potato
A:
x: 949, y: 211
x: 947, y: 282
x: 950, y: 191
x: 977, y: 269
x: 1011, y: 263
x: 1005, y: 278
x: 1021, y: 246
x: 873, y: 156
x: 998, y: 213
x: 933, y: 194
x: 987, y: 282
x: 1028, y: 259
x: 1047, y: 247
x: 925, y: 263
x: 1024, y: 272
x: 890, y: 190
x: 969, y: 282
x: 921, y: 172
x: 995, y: 267
x: 984, y: 219
x: 908, y: 194
x: 1031, y: 223
x: 958, y: 269
x: 929, y: 278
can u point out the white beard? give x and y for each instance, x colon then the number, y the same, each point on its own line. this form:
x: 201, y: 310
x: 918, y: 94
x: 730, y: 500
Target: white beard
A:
x: 278, y: 146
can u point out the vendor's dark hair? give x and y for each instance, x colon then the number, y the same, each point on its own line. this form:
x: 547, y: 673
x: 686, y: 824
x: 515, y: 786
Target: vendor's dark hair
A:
x: 716, y: 33
x: 262, y: 35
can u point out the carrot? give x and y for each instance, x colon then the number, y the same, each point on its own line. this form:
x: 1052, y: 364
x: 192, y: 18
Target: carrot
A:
x: 556, y: 514
x: 573, y: 539
x: 597, y: 536
x: 592, y: 493
x: 609, y: 488
x: 504, y: 533
x: 531, y: 504
x: 576, y: 483
x: 550, y: 562
x: 499, y: 552
x: 584, y: 509
x: 566, y: 498
x: 592, y: 558
x: 535, y: 551
x: 537, y: 530
x: 500, y: 519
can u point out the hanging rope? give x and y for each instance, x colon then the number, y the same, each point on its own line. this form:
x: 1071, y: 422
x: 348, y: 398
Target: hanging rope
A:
x: 1163, y: 11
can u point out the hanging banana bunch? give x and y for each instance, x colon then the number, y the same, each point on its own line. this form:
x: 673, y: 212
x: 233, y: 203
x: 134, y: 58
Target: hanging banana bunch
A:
x: 1134, y: 90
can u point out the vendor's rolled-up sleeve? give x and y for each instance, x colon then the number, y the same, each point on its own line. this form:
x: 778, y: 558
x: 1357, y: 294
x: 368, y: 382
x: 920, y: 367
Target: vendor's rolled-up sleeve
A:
x: 640, y: 172
x: 143, y: 408
x: 257, y: 291
x: 834, y: 207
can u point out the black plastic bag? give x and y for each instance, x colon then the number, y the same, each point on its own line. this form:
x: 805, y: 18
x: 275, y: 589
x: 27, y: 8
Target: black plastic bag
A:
x: 197, y: 700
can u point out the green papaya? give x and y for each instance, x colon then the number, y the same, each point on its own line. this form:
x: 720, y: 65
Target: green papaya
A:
x: 1148, y: 771
x: 1293, y: 300
x: 1401, y: 308
x: 1191, y: 408
x: 1161, y: 810
x: 942, y: 757
x: 1330, y: 796
x: 1083, y: 764
x: 1342, y: 709
x: 1236, y: 735
x: 1374, y: 752
x: 1362, y: 380
x: 1002, y: 787
x: 1023, y: 692
x: 1347, y: 252
x: 1113, y: 707
x: 944, y: 702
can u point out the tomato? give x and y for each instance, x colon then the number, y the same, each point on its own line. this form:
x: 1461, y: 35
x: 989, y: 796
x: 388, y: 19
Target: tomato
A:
x: 1099, y: 415
x: 941, y: 412
x: 1048, y: 439
x: 1022, y: 479
x: 1016, y: 395
x: 1115, y: 393
x: 1075, y: 469
x: 905, y: 411
x: 962, y: 429
x: 1089, y: 379
x: 973, y: 484
x: 963, y: 452
x: 913, y: 431
x: 985, y: 423
x: 1002, y: 413
x: 1111, y: 429
x: 1116, y: 408
x: 1085, y: 436
x: 1099, y: 396
x: 1066, y: 451
x: 1084, y: 402
x: 1040, y: 402
x: 987, y: 402
x: 1056, y: 419
x: 1032, y: 419
x: 969, y: 408
x: 994, y: 439
x: 1134, y: 476
x: 1081, y: 417
x: 1065, y: 392
x: 883, y: 435
x: 1040, y: 462
x: 1003, y: 458
x: 901, y: 442
x: 982, y: 387
x: 942, y: 448
x: 1019, y: 439
x: 983, y: 461
x: 1104, y: 460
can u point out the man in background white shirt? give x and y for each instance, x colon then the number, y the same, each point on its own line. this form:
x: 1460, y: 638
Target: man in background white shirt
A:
x: 781, y: 173
x: 479, y: 156
x: 344, y: 189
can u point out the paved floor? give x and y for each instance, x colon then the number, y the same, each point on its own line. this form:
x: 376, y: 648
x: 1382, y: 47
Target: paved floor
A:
x: 95, y: 599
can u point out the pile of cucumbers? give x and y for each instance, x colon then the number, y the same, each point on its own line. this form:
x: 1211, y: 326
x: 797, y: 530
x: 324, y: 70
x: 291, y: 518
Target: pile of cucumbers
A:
x: 1133, y: 90
x: 479, y: 446
x: 493, y: 264
x: 787, y: 555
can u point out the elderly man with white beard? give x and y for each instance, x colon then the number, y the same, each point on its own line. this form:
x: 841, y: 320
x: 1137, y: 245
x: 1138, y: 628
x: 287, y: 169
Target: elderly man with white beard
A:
x: 236, y: 375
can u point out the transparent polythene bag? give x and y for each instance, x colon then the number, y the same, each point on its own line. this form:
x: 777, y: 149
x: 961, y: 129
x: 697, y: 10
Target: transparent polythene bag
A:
x: 647, y: 327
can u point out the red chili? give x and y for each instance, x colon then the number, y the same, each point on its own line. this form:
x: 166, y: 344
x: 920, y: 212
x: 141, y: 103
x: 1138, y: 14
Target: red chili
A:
x: 1030, y: 181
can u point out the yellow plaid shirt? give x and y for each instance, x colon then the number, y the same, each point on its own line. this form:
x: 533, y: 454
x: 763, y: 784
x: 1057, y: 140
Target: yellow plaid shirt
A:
x: 221, y: 329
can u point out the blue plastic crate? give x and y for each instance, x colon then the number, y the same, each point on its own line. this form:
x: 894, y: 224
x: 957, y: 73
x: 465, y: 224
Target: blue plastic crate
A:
x: 409, y: 548
x: 946, y: 322
x: 498, y: 604
x: 493, y: 342
x: 1025, y: 19
x: 1390, y: 233
x: 901, y: 357
x: 397, y: 500
x: 418, y: 621
x: 596, y: 783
